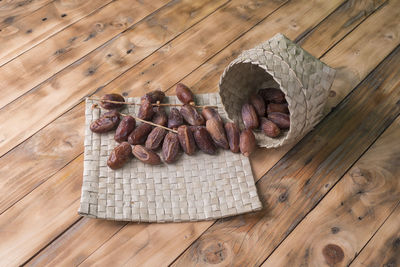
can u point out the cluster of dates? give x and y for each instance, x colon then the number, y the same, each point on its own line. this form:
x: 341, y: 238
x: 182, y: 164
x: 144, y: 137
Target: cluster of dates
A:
x: 268, y: 110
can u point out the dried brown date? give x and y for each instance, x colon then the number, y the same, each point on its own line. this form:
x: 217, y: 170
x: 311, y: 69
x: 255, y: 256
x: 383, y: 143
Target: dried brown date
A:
x: 125, y: 127
x: 272, y: 95
x: 186, y: 139
x: 109, y: 121
x: 249, y: 116
x: 146, y: 111
x: 269, y: 128
x: 191, y: 115
x: 233, y: 135
x: 155, y: 138
x: 160, y: 116
x: 282, y: 108
x: 209, y: 113
x: 119, y: 156
x: 146, y: 155
x: 170, y: 148
x: 139, y: 135
x: 280, y: 119
x: 112, y: 97
x: 184, y: 94
x: 154, y: 96
x: 247, y: 142
x: 258, y: 103
x: 175, y: 118
x: 217, y: 132
x: 204, y: 141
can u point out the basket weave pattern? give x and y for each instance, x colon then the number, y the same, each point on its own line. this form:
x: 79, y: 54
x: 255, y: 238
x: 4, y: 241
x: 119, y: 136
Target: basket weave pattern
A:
x: 278, y: 63
x: 198, y: 187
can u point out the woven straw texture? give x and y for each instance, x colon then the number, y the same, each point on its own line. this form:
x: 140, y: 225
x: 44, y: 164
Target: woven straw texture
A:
x: 278, y: 63
x: 198, y: 187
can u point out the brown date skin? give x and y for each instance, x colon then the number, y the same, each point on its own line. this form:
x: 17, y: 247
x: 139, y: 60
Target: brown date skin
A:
x: 160, y: 117
x: 154, y: 96
x: 258, y: 103
x: 119, y: 156
x: 280, y: 119
x: 272, y: 95
x: 125, y: 127
x: 146, y: 155
x: 209, y: 113
x: 146, y: 111
x: 186, y: 139
x: 155, y: 138
x: 107, y: 122
x: 175, y: 118
x: 191, y: 115
x: 170, y: 148
x: 282, y: 108
x: 184, y: 94
x: 139, y: 135
x: 233, y: 135
x: 249, y: 116
x: 204, y: 141
x: 217, y: 132
x: 269, y: 128
x: 112, y: 97
x: 247, y: 142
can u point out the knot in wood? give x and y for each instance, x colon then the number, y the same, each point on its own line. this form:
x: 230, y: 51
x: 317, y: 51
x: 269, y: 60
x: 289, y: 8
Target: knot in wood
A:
x: 214, y: 253
x: 333, y: 254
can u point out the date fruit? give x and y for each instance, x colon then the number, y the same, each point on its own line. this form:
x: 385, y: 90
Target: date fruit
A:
x: 155, y: 138
x: 191, y: 115
x: 280, y: 119
x: 272, y: 95
x: 184, y: 94
x: 112, y: 97
x: 282, y: 108
x: 154, y: 96
x: 109, y: 121
x: 247, y: 142
x: 209, y: 113
x: 204, y: 141
x: 125, y: 127
x: 233, y: 135
x: 258, y: 103
x: 139, y: 135
x: 175, y: 118
x: 146, y: 155
x: 249, y: 116
x: 119, y: 156
x: 269, y: 128
x: 146, y: 110
x: 186, y: 139
x: 170, y: 148
x: 217, y: 132
x: 160, y: 116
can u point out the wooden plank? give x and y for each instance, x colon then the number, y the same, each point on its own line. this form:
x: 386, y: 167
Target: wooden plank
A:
x: 69, y: 45
x: 10, y: 10
x: 63, y: 91
x: 304, y: 175
x: 22, y: 34
x: 152, y: 246
x: 350, y: 213
x: 383, y: 249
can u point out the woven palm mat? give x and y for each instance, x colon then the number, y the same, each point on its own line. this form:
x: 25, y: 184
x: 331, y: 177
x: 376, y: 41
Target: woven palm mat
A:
x: 198, y: 187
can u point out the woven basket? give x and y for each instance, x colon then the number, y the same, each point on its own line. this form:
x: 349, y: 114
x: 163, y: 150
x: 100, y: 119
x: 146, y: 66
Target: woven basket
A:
x: 278, y: 63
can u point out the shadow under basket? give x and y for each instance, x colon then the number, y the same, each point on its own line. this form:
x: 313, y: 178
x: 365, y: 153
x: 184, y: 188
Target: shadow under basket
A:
x: 278, y: 63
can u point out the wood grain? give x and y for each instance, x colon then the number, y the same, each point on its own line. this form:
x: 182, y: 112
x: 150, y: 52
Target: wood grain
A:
x: 383, y: 249
x: 10, y: 10
x: 350, y: 213
x: 66, y: 47
x: 303, y: 176
x: 19, y: 35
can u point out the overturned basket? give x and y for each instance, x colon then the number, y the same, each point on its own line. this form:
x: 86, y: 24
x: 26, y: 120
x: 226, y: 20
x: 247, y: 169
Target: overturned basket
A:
x: 278, y: 63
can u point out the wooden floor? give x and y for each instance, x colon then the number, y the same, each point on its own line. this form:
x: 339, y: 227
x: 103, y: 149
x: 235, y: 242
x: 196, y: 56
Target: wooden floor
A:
x: 330, y: 200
